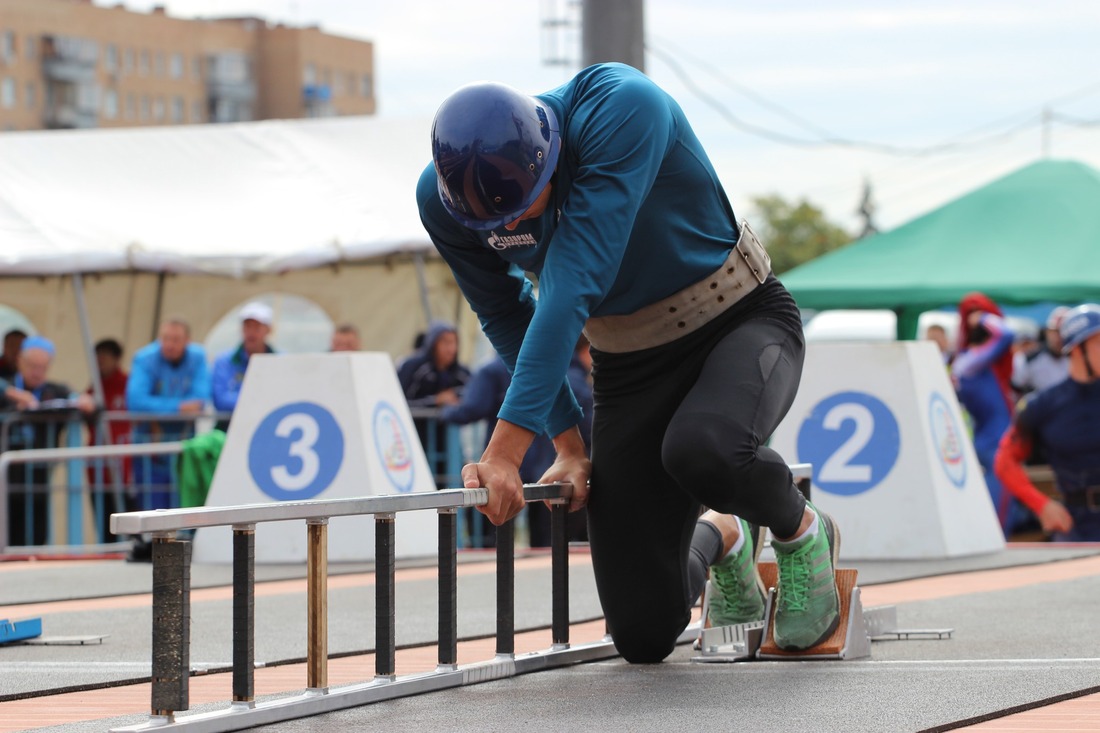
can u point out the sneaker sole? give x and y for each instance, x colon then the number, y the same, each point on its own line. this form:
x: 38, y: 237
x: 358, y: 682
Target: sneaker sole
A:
x: 833, y: 533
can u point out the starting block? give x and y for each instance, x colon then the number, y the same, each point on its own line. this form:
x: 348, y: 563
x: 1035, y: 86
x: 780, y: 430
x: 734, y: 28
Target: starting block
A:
x: 851, y: 639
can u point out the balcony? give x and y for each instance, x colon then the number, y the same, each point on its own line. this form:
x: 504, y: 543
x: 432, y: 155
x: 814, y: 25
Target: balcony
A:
x: 228, y: 78
x: 317, y: 100
x: 71, y: 60
x: 71, y: 117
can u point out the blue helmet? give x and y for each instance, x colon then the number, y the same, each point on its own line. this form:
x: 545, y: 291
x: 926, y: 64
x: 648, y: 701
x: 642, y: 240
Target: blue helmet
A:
x: 494, y: 150
x: 1078, y: 324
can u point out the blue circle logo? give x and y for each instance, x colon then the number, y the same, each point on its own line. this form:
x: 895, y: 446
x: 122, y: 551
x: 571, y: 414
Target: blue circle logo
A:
x: 852, y: 440
x: 296, y: 452
x: 392, y: 444
x: 947, y: 437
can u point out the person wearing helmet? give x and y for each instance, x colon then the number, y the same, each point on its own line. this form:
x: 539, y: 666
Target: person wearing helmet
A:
x: 1044, y: 366
x: 601, y: 190
x: 1064, y: 420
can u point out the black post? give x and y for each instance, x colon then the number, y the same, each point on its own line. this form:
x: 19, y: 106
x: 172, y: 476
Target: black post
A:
x: 506, y: 588
x: 244, y: 613
x: 171, y: 625
x: 559, y: 573
x: 448, y: 587
x: 384, y: 629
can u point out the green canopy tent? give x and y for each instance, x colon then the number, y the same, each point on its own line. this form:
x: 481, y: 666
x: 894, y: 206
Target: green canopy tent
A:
x: 1031, y: 236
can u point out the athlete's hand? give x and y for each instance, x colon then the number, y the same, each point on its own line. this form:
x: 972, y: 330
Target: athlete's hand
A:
x: 571, y: 466
x: 570, y: 470
x: 1055, y: 518
x: 502, y: 480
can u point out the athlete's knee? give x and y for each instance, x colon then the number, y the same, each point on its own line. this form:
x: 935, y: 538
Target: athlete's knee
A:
x: 639, y: 645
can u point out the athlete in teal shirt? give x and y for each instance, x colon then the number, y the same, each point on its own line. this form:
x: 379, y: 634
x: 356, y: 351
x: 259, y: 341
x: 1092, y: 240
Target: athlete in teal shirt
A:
x: 601, y: 191
x: 610, y: 222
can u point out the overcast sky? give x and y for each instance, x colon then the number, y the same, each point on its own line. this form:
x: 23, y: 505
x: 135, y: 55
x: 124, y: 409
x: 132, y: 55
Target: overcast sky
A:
x: 970, y: 78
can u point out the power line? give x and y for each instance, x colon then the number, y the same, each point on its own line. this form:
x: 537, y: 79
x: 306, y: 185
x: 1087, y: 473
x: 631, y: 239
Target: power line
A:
x: 961, y: 142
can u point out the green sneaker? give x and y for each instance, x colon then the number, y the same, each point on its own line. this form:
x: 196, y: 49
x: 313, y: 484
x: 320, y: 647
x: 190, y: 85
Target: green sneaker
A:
x: 808, y: 605
x: 737, y: 593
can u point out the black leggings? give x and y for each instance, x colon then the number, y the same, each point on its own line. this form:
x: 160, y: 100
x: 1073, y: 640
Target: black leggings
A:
x: 678, y: 427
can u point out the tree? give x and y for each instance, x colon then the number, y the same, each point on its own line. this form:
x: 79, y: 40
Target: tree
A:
x: 795, y: 233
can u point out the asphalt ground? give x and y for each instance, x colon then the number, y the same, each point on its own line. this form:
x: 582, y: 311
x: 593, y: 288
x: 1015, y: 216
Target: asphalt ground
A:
x: 1023, y: 619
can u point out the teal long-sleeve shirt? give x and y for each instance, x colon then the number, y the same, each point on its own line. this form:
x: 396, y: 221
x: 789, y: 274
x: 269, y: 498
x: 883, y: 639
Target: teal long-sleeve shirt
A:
x: 637, y: 213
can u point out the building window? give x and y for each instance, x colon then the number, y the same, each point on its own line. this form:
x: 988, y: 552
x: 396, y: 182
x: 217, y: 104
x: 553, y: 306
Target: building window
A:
x: 309, y: 74
x: 7, y: 92
x: 7, y: 46
x: 131, y: 106
x: 158, y: 70
x: 177, y: 110
x: 30, y: 95
x: 158, y: 109
x: 128, y: 61
x: 366, y: 86
x: 110, y: 104
x: 196, y: 111
x: 196, y: 68
x: 175, y: 66
x: 143, y: 64
x: 30, y: 48
x: 110, y: 58
x: 144, y: 108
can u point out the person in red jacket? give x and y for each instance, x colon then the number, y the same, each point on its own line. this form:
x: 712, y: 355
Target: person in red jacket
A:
x: 1065, y: 421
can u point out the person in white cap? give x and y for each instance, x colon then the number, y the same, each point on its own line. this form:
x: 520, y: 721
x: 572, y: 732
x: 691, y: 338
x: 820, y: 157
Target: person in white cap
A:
x: 229, y: 368
x: 1045, y: 366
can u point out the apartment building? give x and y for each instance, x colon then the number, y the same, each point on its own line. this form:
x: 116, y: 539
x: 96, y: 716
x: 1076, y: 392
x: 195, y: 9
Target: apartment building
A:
x: 72, y: 64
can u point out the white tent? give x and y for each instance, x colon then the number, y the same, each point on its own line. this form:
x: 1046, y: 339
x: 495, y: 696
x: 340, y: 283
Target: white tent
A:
x: 144, y: 222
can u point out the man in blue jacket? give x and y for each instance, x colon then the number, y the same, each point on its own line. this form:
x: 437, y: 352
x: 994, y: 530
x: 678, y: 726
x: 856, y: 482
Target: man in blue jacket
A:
x: 230, y: 366
x: 168, y: 376
x: 601, y: 190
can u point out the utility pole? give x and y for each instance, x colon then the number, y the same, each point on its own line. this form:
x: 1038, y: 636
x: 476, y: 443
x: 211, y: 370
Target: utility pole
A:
x: 613, y: 30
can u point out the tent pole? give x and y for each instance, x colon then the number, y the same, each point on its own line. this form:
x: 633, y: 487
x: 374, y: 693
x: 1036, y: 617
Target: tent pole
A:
x: 86, y: 334
x: 422, y: 279
x: 158, y: 303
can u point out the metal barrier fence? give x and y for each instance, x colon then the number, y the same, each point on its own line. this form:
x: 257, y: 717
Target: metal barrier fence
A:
x: 103, y: 482
x: 171, y: 606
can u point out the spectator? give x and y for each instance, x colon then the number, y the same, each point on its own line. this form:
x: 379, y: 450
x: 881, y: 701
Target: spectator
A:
x: 112, y: 380
x: 230, y: 366
x: 13, y: 341
x: 938, y: 334
x: 434, y: 377
x: 1044, y: 365
x: 33, y: 365
x: 345, y: 338
x: 169, y: 376
x: 981, y: 371
x: 1065, y: 421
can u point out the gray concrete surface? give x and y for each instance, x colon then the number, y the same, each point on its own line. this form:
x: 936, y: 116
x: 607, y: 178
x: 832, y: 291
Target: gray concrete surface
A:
x: 1010, y: 647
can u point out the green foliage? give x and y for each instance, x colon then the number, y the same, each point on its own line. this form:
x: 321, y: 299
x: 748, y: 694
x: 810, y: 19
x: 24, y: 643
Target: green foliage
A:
x: 794, y: 233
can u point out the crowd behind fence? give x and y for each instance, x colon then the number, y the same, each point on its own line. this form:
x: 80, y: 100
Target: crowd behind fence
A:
x: 58, y: 486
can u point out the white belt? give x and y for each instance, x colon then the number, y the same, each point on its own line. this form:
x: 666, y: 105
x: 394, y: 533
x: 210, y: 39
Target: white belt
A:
x: 746, y: 267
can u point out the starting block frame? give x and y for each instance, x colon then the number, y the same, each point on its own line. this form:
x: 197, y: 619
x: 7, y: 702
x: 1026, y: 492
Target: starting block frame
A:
x: 852, y: 638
